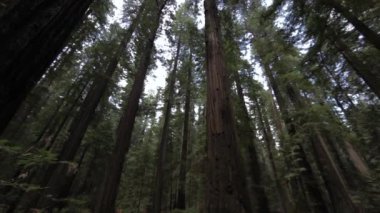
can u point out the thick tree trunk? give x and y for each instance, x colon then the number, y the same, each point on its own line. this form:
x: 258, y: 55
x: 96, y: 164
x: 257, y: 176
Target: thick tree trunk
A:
x: 181, y: 199
x: 31, y: 36
x: 108, y: 190
x: 370, y: 35
x: 226, y: 189
x: 161, y: 161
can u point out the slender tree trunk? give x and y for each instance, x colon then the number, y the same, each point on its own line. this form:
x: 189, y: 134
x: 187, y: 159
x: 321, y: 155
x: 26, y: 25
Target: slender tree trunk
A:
x: 52, y: 122
x: 269, y: 142
x: 160, y: 167
x: 334, y: 179
x: 29, y: 198
x: 370, y: 35
x: 109, y: 187
x: 142, y: 185
x: 336, y: 81
x: 181, y: 199
x: 49, y: 140
x: 36, y: 143
x: 31, y: 36
x: 370, y: 74
x: 313, y: 193
x: 307, y: 177
x: 357, y: 159
x: 71, y: 180
x: 248, y: 134
x: 226, y: 189
x: 330, y: 171
x: 85, y: 186
x: 60, y: 173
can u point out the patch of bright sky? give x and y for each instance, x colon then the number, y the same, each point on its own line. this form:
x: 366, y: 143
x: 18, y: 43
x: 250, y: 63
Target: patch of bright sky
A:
x: 157, y: 77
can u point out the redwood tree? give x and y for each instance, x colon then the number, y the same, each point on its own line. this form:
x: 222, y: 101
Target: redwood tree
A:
x: 59, y: 175
x: 108, y: 190
x: 226, y: 189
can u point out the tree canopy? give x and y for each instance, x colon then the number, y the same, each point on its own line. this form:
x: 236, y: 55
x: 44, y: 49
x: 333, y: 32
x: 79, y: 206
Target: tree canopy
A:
x: 213, y: 106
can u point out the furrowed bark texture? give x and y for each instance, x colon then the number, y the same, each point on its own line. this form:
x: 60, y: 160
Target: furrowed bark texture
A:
x: 226, y: 188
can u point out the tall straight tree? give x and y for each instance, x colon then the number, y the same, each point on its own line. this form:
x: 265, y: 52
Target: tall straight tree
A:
x: 181, y: 193
x: 370, y: 35
x: 159, y: 184
x: 306, y: 182
x: 58, y: 178
x: 226, y: 185
x: 269, y: 142
x: 291, y: 95
x: 248, y: 134
x: 246, y: 129
x: 108, y: 190
x: 368, y: 73
x: 32, y: 33
x: 330, y: 29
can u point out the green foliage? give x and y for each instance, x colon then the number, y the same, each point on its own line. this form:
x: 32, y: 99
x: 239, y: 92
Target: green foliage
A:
x: 9, y: 148
x: 296, y: 78
x: 22, y: 186
x: 37, y: 158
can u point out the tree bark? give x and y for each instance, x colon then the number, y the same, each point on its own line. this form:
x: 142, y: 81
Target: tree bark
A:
x: 370, y: 74
x: 331, y: 173
x: 370, y: 35
x: 226, y: 189
x: 31, y: 35
x: 161, y: 161
x: 335, y: 182
x: 60, y: 173
x: 269, y: 142
x: 248, y: 132
x: 109, y: 187
x: 181, y: 199
x: 307, y: 177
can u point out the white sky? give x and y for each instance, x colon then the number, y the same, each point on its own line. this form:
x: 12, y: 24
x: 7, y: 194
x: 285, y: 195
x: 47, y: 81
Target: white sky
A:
x: 157, y: 77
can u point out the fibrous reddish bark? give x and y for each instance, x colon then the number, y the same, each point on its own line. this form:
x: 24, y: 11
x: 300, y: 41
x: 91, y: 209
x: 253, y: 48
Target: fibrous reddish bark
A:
x: 226, y: 185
